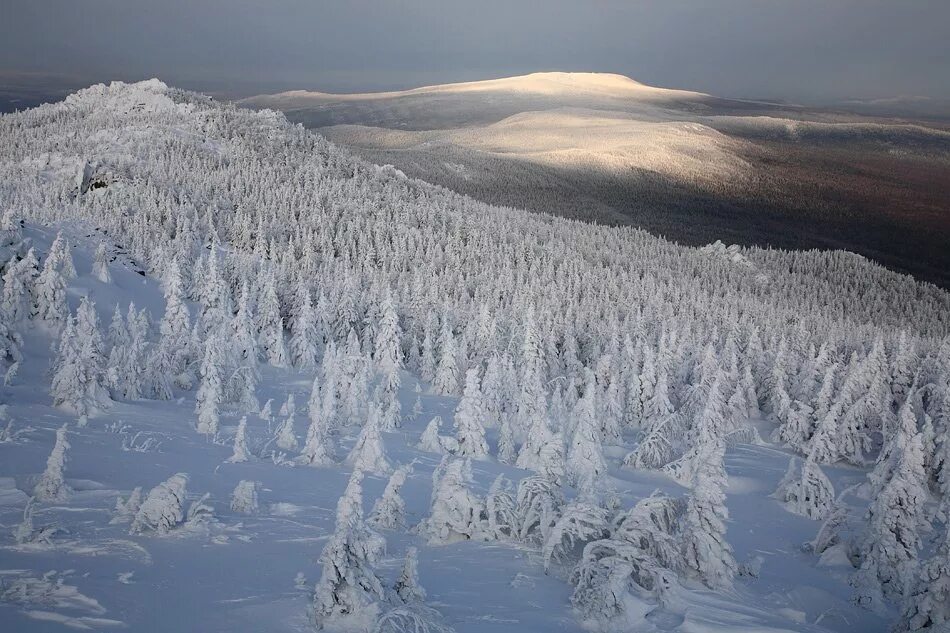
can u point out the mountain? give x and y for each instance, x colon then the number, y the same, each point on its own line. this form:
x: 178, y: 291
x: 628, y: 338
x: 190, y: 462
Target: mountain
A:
x: 252, y: 382
x: 689, y: 166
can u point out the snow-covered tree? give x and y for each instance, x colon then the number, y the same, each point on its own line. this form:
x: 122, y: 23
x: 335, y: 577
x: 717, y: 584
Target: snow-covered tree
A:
x: 927, y: 605
x: 501, y: 510
x: 706, y: 553
x: 164, y: 508
x: 304, y: 332
x: 79, y: 378
x: 469, y: 427
x: 430, y: 440
x: 896, y: 518
x: 389, y: 511
x: 456, y: 513
x: 100, y: 264
x: 270, y: 326
x: 407, y: 586
x: 579, y: 523
x: 349, y: 585
x: 585, y: 456
x: 369, y: 452
x: 319, y: 448
x: 244, y: 498
x: 18, y: 281
x: 805, y: 490
x: 445, y: 380
x: 52, y: 486
x: 210, y: 390
x: 286, y: 435
x: 240, y: 452
x: 50, y: 294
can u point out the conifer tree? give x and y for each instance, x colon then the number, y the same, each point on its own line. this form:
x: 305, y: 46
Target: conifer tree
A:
x: 52, y: 486
x: 469, y: 429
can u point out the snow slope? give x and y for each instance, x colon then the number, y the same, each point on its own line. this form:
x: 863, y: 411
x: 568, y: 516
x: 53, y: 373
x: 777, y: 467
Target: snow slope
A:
x: 258, y: 212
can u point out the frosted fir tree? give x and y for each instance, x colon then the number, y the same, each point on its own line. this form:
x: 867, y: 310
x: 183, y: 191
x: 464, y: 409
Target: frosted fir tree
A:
x: 18, y: 281
x: 469, y: 429
x: 63, y: 259
x: 896, y: 518
x: 168, y: 363
x: 286, y: 436
x: 78, y: 380
x: 210, y: 390
x: 407, y: 586
x: 430, y: 440
x: 244, y: 499
x: 706, y: 553
x: 805, y: 490
x: 389, y: 511
x: 52, y: 485
x: 349, y: 586
x: 242, y: 356
x: 427, y: 361
x: 164, y: 508
x: 585, y: 457
x: 240, y: 452
x: 706, y: 438
x: 416, y: 408
x: 100, y: 264
x: 304, y: 331
x: 270, y: 326
x: 927, y: 604
x: 456, y: 513
x: 50, y: 294
x: 507, y: 452
x: 501, y: 511
x: 445, y: 381
x: 386, y: 349
x: 369, y: 452
x: 319, y: 448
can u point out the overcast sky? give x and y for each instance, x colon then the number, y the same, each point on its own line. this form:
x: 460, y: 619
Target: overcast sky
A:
x: 807, y: 50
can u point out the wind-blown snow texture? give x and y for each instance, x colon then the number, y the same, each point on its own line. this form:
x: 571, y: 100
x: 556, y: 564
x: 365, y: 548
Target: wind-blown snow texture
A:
x: 646, y: 437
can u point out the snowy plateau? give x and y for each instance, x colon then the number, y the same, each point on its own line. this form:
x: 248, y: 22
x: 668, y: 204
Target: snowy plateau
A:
x: 253, y: 383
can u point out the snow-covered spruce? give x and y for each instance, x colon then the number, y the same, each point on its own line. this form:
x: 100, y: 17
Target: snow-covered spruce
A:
x: 52, y: 484
x: 164, y: 508
x: 389, y: 511
x: 456, y: 513
x: 349, y: 587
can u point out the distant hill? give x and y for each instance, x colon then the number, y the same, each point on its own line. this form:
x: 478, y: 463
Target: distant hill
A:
x: 689, y: 166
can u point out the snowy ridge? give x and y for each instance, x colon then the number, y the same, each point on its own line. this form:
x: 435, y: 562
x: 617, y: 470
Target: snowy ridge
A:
x: 226, y: 341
